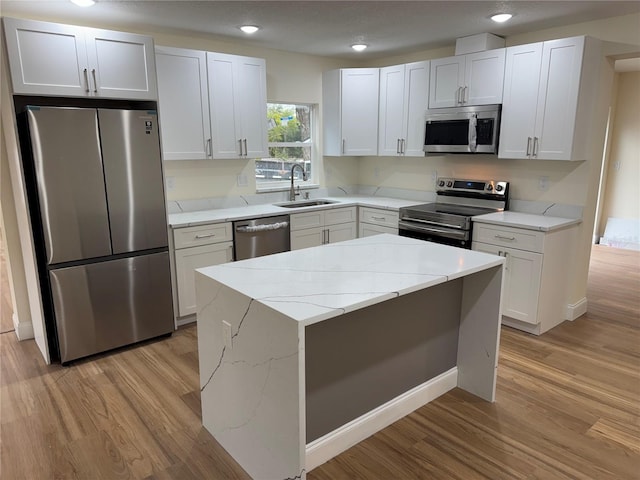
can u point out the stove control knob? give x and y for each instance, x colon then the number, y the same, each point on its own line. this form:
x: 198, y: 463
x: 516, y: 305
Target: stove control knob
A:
x: 499, y: 188
x: 489, y: 187
x: 449, y: 184
x: 441, y: 183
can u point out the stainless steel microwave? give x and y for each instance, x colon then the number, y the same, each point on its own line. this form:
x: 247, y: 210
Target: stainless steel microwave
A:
x: 462, y: 129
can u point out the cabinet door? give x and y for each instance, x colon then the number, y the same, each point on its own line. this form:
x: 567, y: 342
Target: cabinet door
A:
x: 251, y: 98
x: 523, y: 271
x: 521, y: 83
x: 484, y: 77
x: 122, y: 65
x: 392, y: 110
x: 359, y: 111
x: 183, y: 103
x: 416, y: 91
x: 340, y: 233
x: 445, y: 81
x: 558, y: 98
x: 187, y: 260
x: 309, y: 237
x: 225, y: 124
x: 46, y: 58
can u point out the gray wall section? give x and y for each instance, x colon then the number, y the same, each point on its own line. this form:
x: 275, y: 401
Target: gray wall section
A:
x: 360, y: 360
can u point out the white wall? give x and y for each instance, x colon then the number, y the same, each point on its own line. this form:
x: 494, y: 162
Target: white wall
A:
x: 622, y: 192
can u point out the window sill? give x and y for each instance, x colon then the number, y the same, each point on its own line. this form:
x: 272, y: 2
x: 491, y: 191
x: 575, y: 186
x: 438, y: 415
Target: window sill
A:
x: 284, y: 188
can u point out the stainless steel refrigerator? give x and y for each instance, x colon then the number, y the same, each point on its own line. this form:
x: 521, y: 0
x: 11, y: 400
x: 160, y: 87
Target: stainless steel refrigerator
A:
x: 100, y: 211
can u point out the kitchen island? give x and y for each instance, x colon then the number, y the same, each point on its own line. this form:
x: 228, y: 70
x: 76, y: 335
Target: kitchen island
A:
x: 305, y: 353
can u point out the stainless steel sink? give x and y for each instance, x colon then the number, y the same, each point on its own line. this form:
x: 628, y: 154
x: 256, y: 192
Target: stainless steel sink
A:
x: 305, y: 203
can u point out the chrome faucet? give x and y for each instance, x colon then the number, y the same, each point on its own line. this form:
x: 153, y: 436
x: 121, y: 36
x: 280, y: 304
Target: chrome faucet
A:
x: 292, y: 192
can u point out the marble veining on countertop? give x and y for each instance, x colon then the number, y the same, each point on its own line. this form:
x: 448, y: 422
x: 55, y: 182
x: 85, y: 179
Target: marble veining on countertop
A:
x: 527, y: 221
x: 318, y: 283
x: 187, y: 219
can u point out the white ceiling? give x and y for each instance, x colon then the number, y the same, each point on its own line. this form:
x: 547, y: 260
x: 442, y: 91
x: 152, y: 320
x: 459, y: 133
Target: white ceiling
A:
x: 328, y: 28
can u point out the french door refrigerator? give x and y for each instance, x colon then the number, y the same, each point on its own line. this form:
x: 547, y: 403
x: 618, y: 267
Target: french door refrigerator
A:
x: 101, y: 222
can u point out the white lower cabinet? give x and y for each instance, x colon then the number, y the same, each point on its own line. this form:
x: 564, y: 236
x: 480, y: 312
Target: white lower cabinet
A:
x: 373, y: 221
x: 537, y: 269
x: 320, y: 227
x: 197, y: 247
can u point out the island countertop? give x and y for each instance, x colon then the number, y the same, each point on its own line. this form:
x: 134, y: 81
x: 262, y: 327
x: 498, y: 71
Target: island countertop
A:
x: 305, y: 353
x: 316, y: 284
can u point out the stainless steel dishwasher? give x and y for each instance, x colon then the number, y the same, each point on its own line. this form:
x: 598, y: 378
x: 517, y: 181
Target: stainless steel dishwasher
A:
x: 261, y: 236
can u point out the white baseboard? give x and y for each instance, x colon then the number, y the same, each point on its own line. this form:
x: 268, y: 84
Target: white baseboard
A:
x: 186, y: 320
x: 24, y: 330
x: 333, y: 443
x: 575, y: 310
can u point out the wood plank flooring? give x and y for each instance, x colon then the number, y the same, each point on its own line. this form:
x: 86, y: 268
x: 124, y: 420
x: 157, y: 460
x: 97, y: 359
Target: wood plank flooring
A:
x: 568, y: 407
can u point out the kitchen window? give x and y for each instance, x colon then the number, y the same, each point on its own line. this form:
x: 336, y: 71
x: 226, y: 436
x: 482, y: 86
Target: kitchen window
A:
x: 291, y: 141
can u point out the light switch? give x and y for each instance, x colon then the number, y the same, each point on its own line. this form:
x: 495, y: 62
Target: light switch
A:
x: 226, y: 334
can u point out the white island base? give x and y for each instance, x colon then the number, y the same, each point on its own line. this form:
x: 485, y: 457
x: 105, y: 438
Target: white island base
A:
x: 305, y: 353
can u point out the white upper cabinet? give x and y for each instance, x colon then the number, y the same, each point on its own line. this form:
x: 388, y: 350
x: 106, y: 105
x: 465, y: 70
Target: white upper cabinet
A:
x: 403, y: 101
x: 547, y: 99
x: 472, y: 79
x: 183, y: 103
x: 65, y: 60
x: 237, y: 106
x: 350, y: 111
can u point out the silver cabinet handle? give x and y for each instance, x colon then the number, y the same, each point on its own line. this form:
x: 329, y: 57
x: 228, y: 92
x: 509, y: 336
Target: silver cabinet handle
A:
x: 205, y: 235
x: 246, y: 150
x: 240, y: 143
x: 95, y: 82
x: 458, y: 99
x: 398, y: 146
x: 535, y: 146
x: 465, y: 95
x: 379, y: 218
x: 86, y: 80
x: 502, y: 237
x: 328, y: 239
x: 528, y: 146
x: 209, y: 148
x: 402, y: 145
x: 344, y: 142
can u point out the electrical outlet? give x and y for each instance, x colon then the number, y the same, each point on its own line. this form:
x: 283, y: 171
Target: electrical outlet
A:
x: 543, y: 183
x: 242, y: 180
x: 226, y: 334
x: 171, y: 183
x: 376, y: 172
x: 434, y: 178
x: 616, y: 165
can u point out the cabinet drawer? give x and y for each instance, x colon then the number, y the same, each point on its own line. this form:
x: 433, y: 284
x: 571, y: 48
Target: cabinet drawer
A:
x: 379, y: 217
x: 529, y: 240
x: 202, y: 235
x: 340, y: 215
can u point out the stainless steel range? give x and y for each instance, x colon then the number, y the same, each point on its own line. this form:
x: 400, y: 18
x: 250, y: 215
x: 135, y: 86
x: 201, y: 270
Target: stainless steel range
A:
x: 448, y: 220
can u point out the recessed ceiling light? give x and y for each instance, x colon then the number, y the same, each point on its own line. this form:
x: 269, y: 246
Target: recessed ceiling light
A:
x: 249, y: 29
x: 501, y: 17
x: 83, y: 3
x: 358, y: 47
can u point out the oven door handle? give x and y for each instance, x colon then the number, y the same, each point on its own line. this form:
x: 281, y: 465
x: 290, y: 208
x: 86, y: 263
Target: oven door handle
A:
x: 459, y: 234
x: 430, y: 222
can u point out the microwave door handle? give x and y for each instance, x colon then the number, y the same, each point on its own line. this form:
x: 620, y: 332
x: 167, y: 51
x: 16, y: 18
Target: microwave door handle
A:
x: 473, y: 132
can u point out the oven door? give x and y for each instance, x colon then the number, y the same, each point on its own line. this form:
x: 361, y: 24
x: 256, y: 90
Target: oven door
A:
x: 436, y: 234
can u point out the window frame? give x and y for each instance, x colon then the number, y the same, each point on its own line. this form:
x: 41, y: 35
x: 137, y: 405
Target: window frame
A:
x: 312, y: 144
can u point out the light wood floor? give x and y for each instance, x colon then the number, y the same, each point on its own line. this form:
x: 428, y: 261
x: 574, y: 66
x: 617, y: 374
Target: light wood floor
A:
x: 568, y: 407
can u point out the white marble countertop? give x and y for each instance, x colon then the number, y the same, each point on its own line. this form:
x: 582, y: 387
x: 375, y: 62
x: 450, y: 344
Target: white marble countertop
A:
x: 188, y: 219
x: 315, y: 284
x: 527, y: 221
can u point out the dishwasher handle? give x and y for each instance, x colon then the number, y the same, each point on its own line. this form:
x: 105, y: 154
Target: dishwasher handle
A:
x: 261, y: 228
